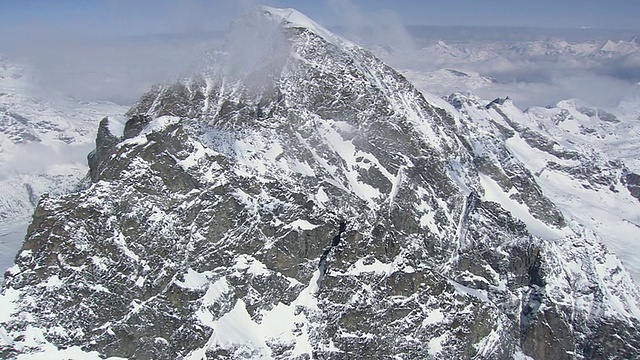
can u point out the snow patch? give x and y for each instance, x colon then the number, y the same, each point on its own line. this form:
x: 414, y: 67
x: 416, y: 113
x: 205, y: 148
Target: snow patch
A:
x: 467, y: 291
x: 434, y: 317
x: 436, y: 344
x: 283, y: 324
x: 251, y: 265
x: 194, y: 280
x: 155, y: 125
x: 321, y: 196
x: 301, y: 225
x: 493, y: 192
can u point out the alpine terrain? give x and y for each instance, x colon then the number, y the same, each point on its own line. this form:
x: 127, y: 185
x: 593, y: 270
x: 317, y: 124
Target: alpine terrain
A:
x: 43, y: 146
x: 297, y: 198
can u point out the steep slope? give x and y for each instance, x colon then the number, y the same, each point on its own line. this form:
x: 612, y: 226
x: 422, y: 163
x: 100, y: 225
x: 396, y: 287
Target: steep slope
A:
x: 300, y: 199
x: 584, y: 159
x: 43, y: 147
x: 606, y: 195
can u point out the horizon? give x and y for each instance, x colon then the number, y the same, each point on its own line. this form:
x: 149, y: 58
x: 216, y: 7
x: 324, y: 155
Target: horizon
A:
x: 115, y: 50
x: 119, y: 17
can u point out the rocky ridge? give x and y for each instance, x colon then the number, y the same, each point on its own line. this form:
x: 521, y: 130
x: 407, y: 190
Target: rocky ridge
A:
x: 581, y: 156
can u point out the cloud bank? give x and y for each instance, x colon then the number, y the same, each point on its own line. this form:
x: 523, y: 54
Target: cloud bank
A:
x: 118, y: 61
x: 144, y: 43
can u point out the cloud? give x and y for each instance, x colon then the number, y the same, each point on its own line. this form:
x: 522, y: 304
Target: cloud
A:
x: 545, y: 82
x: 598, y: 90
x: 531, y: 71
x: 38, y: 158
x: 383, y: 30
x: 121, y: 56
x: 118, y: 71
x: 135, y: 45
x: 253, y: 42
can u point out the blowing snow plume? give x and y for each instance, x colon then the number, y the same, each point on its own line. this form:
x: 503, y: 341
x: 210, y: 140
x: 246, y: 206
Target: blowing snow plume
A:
x: 122, y: 53
x: 381, y: 31
x: 254, y: 50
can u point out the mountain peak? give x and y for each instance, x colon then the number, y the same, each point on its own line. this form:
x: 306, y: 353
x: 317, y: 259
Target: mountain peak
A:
x: 258, y: 45
x: 292, y: 18
x: 289, y: 16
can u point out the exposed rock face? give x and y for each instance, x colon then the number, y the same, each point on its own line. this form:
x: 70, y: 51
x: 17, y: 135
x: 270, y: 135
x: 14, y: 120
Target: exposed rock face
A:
x: 311, y: 205
x: 105, y: 146
x: 632, y: 182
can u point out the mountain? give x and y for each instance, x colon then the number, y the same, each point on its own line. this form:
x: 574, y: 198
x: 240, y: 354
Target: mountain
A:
x: 611, y: 48
x: 583, y: 158
x: 43, y: 146
x: 550, y: 49
x: 298, y: 198
x: 447, y: 81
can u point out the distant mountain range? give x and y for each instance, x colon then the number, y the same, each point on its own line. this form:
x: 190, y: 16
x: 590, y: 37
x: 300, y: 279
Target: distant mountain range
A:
x: 43, y: 146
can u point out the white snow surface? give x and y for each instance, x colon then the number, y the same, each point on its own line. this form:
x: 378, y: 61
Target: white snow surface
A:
x: 286, y: 324
x: 293, y: 18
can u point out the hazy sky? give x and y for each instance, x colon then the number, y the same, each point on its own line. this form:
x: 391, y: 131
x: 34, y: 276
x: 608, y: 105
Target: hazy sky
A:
x: 162, y: 16
x: 100, y: 49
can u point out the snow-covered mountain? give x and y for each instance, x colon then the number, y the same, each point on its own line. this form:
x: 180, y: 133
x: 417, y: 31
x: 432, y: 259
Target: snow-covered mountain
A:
x: 618, y: 48
x: 447, y: 81
x: 552, y: 64
x: 43, y: 147
x: 585, y: 160
x: 298, y: 198
x: 552, y: 48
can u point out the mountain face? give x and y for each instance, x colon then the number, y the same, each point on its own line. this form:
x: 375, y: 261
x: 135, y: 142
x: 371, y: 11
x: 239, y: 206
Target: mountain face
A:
x: 582, y: 157
x: 299, y: 199
x: 43, y: 146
